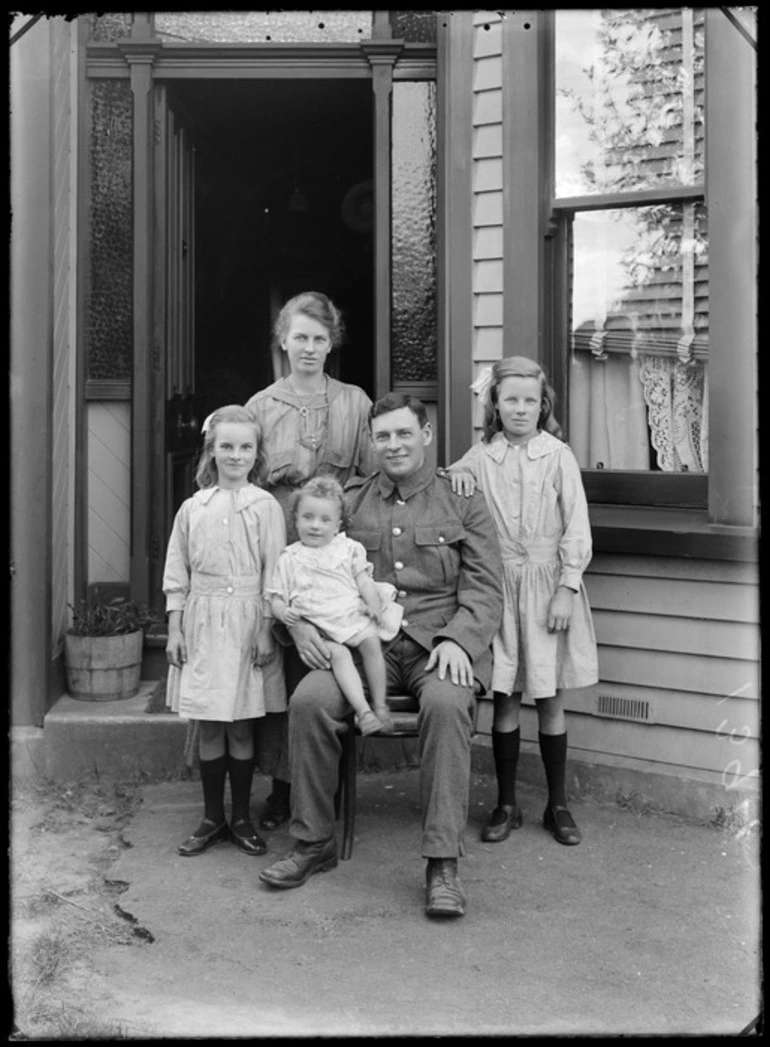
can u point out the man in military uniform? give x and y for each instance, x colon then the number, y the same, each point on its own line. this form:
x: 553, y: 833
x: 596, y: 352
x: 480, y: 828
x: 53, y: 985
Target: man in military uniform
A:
x: 441, y: 552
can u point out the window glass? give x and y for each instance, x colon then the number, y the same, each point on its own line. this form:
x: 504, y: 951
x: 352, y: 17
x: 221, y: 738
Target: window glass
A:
x: 413, y: 245
x: 258, y: 26
x: 629, y: 99
x: 639, y: 338
x: 110, y: 27
x: 414, y: 26
x: 109, y: 280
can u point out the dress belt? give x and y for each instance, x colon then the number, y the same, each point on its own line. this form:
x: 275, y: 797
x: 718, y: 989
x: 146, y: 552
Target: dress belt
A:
x: 224, y: 585
x: 543, y: 550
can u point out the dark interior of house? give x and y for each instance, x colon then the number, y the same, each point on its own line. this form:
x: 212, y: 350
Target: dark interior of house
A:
x: 283, y: 191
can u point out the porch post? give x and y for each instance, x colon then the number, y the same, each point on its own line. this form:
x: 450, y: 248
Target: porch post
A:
x: 30, y: 377
x: 454, y: 121
x: 382, y: 55
x: 526, y: 182
x: 140, y: 55
x: 731, y: 199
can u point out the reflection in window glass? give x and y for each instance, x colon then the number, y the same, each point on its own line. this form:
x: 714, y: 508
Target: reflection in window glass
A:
x: 414, y: 346
x: 629, y: 99
x: 639, y: 339
x: 260, y: 26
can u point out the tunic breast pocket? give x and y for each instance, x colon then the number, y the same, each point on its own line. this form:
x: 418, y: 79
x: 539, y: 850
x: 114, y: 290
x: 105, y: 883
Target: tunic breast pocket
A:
x: 439, y: 550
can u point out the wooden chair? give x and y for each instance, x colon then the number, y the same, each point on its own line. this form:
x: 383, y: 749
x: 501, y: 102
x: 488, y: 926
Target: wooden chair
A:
x: 404, y: 710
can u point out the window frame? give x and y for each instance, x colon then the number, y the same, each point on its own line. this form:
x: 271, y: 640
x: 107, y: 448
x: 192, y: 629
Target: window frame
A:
x: 728, y: 529
x: 612, y: 486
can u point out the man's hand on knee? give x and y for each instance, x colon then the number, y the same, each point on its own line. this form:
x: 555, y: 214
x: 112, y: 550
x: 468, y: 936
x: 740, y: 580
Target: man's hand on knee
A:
x: 449, y: 655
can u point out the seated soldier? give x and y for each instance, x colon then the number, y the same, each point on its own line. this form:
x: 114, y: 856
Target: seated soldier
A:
x: 441, y: 552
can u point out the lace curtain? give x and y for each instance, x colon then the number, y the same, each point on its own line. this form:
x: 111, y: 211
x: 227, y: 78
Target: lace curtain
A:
x: 622, y: 405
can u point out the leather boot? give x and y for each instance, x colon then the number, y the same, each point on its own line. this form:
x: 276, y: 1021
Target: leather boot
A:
x: 445, y: 895
x: 300, y: 863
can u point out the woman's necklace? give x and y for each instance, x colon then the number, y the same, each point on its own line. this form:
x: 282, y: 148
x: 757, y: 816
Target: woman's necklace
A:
x: 309, y: 440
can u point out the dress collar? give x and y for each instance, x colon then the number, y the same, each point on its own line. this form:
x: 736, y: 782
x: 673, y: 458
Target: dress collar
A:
x: 410, y: 485
x: 542, y: 443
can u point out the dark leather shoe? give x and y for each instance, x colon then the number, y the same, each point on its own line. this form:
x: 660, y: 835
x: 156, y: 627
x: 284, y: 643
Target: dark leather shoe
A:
x: 560, y: 822
x: 300, y: 863
x: 244, y: 835
x: 499, y: 826
x: 445, y: 896
x: 201, y: 841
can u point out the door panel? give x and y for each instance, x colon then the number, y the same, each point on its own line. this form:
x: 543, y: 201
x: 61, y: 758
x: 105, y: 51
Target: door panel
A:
x: 176, y: 439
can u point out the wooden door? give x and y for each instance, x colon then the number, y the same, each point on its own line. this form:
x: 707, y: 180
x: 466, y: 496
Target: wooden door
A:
x: 176, y: 430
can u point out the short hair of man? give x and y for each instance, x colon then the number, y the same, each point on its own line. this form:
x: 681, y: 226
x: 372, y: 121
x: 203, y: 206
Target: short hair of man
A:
x: 394, y: 402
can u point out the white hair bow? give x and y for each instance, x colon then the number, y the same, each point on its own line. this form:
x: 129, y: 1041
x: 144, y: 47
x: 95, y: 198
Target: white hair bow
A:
x: 206, y: 423
x: 482, y: 383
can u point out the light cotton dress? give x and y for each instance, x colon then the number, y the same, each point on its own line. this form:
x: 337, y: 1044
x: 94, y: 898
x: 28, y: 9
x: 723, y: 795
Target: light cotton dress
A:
x: 536, y: 497
x: 320, y: 584
x: 224, y: 544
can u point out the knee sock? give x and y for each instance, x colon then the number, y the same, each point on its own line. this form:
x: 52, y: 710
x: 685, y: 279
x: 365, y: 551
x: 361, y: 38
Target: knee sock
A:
x: 553, y: 749
x: 241, y: 776
x: 505, y: 748
x: 213, y: 774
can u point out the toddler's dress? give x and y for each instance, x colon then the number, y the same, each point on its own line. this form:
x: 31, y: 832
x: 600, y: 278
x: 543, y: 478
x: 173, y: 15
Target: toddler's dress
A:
x: 224, y: 544
x: 536, y: 497
x: 320, y: 584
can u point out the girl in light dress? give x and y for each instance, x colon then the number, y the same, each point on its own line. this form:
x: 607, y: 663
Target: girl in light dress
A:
x: 546, y: 644
x: 224, y: 669
x: 326, y: 579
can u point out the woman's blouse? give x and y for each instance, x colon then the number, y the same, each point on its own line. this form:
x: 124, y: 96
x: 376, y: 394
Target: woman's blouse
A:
x: 323, y: 434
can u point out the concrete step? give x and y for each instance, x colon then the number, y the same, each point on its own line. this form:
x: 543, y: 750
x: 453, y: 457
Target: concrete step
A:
x: 113, y: 739
x: 120, y: 739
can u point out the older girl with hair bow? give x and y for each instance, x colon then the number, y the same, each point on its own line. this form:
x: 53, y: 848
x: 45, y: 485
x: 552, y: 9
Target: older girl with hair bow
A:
x: 546, y: 644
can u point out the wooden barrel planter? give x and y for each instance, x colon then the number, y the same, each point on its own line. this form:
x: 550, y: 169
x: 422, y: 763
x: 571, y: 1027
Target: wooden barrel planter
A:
x: 103, y: 668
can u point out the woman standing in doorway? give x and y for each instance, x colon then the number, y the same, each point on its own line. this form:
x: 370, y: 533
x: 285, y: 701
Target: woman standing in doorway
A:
x: 312, y: 425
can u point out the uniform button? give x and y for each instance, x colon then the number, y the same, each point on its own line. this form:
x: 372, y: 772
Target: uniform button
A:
x: 229, y: 588
x: 396, y: 530
x: 399, y: 502
x: 404, y: 624
x: 398, y: 565
x: 402, y: 593
x: 440, y: 538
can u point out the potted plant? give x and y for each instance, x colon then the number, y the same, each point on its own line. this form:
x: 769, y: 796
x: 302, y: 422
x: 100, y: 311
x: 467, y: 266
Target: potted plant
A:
x: 103, y: 648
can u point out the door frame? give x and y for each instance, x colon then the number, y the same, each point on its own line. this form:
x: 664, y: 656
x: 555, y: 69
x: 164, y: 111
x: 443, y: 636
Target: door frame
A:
x: 144, y: 59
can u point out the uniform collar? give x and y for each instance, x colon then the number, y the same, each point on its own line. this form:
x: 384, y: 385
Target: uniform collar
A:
x: 242, y: 497
x: 542, y: 443
x: 409, y: 485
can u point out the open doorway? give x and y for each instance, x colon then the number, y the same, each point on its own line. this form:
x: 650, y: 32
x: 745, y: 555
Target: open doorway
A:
x: 283, y: 203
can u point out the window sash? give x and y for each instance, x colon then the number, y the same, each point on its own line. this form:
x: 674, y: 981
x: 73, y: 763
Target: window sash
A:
x: 608, y: 486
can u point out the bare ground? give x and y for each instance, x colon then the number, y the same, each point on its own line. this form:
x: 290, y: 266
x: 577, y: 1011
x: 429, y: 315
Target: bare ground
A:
x: 64, y: 840
x: 651, y: 926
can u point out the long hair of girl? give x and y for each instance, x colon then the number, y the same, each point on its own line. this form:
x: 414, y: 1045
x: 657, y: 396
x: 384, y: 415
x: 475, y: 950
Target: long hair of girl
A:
x: 519, y: 367
x: 206, y: 473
